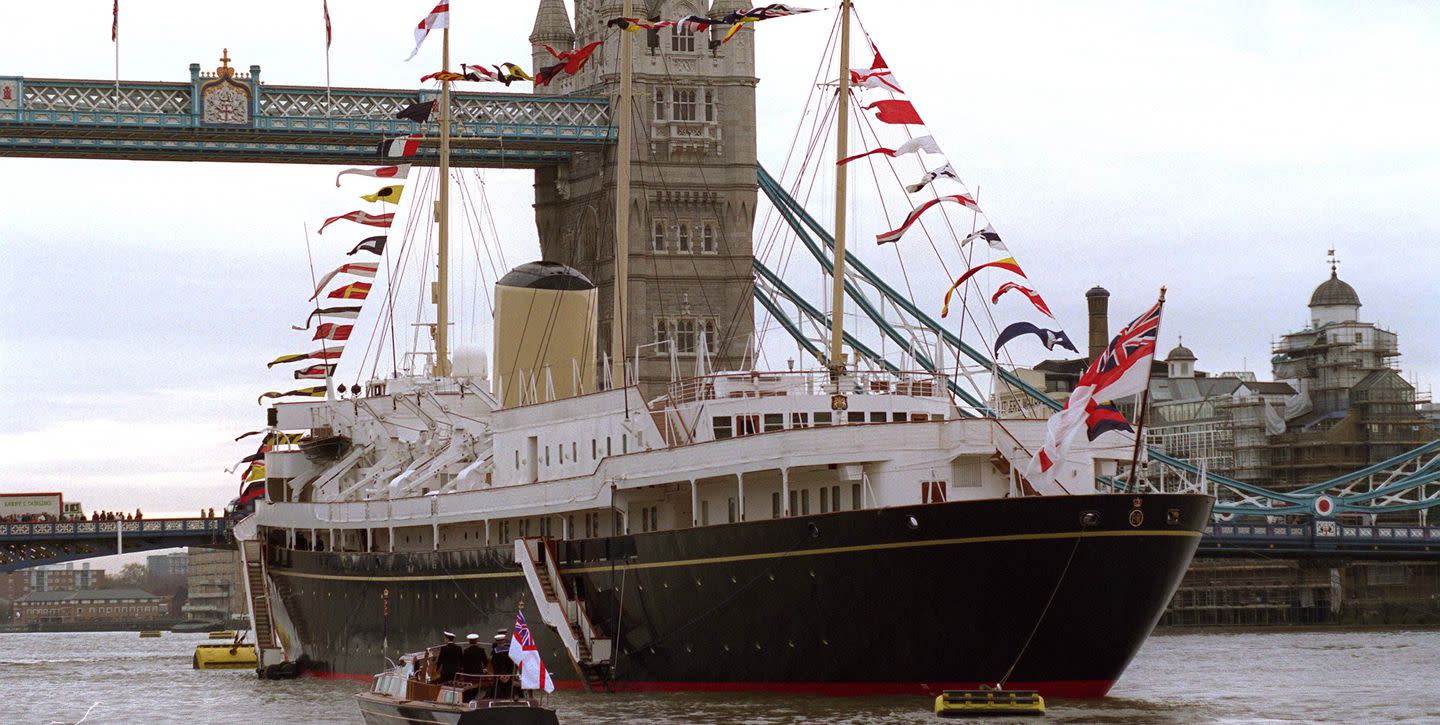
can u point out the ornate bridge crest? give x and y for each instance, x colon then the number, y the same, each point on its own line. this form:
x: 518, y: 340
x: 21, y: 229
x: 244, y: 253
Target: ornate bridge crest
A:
x: 225, y: 100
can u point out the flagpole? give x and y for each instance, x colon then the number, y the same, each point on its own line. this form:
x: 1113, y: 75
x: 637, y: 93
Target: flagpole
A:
x: 622, y: 210
x: 1144, y: 406
x: 842, y: 139
x: 442, y: 275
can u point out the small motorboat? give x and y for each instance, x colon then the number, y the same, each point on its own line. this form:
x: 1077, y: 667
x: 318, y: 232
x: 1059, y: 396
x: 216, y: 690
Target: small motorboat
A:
x: 150, y: 633
x: 409, y: 693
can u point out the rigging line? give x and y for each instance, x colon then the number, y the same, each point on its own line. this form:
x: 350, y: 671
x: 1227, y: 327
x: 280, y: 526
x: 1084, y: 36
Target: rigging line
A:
x: 925, y: 231
x: 469, y: 209
x: 954, y: 238
x: 490, y: 218
x: 1038, y: 620
x: 386, y: 329
x: 323, y: 347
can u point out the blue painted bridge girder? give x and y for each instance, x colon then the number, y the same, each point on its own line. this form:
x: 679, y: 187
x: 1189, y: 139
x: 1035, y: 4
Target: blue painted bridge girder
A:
x: 27, y: 545
x: 230, y: 116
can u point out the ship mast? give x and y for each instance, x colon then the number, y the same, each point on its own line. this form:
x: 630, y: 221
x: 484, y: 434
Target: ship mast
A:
x: 622, y: 208
x: 440, y: 293
x: 842, y: 138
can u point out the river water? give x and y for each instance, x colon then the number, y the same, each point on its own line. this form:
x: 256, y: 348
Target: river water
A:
x: 1249, y: 677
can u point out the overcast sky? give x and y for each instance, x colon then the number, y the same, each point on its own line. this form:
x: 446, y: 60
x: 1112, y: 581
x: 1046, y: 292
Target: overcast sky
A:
x: 1216, y: 148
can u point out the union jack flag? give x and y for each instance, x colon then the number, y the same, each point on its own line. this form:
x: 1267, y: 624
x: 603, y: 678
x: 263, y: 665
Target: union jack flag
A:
x: 522, y: 631
x: 1135, y: 345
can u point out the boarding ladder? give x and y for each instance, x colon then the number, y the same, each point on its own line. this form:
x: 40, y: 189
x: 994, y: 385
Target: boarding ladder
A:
x: 589, y: 650
x: 267, y: 647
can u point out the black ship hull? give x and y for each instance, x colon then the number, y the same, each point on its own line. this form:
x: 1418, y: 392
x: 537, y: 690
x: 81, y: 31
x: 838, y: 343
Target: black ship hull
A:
x: 1056, y: 592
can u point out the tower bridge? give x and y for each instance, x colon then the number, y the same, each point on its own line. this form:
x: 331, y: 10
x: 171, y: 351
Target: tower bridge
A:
x: 37, y: 544
x: 227, y: 115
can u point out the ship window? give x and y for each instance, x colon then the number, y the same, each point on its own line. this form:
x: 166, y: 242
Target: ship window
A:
x: 794, y: 501
x: 682, y: 236
x: 721, y: 424
x: 822, y: 418
x: 824, y: 500
x: 937, y: 416
x: 654, y: 518
x: 775, y: 505
x: 547, y: 455
x: 594, y: 450
x: 774, y: 422
x: 624, y: 444
x: 682, y: 39
x: 704, y: 513
x: 517, y: 458
x: 747, y: 425
x: 898, y: 417
x: 574, y: 456
x: 707, y: 236
x: 855, y: 497
x: 877, y: 416
x: 932, y: 491
x: 855, y: 416
x: 608, y: 450
x: 732, y: 510
x: 834, y: 498
x: 657, y: 241
x: 799, y: 420
x: 918, y: 417
x: 805, y: 502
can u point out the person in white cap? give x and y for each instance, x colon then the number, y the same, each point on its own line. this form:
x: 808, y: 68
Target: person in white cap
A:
x: 449, y: 659
x: 473, y: 662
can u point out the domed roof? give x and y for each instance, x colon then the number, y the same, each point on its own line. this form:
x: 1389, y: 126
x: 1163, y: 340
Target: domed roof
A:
x: 1098, y: 291
x: 546, y: 275
x: 1334, y: 292
x: 1180, y: 353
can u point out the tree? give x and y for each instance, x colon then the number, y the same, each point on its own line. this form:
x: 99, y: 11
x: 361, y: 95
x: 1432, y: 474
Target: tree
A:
x: 132, y: 575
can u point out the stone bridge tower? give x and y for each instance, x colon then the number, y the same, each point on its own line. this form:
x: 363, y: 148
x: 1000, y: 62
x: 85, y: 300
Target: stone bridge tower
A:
x: 693, y: 191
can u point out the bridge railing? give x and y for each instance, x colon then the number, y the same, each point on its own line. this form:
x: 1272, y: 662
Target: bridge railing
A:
x: 98, y: 528
x: 1321, y: 532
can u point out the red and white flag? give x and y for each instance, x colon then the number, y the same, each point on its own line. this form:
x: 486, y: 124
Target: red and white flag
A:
x: 359, y: 269
x: 360, y: 217
x: 315, y: 372
x: 1123, y: 369
x: 332, y: 331
x: 526, y: 656
x: 399, y: 148
x: 115, y: 22
x: 438, y: 19
x: 381, y: 172
x: 325, y: 5
x: 894, y: 235
x: 914, y: 145
x: 896, y: 111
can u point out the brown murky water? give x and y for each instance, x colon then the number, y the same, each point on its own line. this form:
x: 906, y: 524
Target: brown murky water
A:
x: 1339, y: 676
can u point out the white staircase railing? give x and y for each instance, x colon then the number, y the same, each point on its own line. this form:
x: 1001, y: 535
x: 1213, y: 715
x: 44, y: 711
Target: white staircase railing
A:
x: 559, y: 610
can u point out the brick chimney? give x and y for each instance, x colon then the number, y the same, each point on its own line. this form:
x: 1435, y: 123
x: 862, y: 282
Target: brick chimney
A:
x: 1098, y: 300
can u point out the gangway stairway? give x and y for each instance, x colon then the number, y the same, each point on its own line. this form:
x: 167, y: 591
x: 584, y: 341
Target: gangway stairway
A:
x: 267, y: 648
x: 590, y: 652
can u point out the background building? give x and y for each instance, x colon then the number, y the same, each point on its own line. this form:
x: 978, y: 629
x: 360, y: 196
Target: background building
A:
x: 93, y: 606
x: 213, y: 585
x: 164, y: 566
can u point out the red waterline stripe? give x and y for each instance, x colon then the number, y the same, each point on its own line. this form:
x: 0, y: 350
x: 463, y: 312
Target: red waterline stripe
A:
x: 1079, y: 689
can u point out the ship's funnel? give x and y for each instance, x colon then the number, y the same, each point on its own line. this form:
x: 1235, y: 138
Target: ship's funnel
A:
x: 545, y: 321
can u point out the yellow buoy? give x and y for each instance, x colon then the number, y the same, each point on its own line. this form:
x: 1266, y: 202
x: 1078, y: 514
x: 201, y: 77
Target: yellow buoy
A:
x: 988, y: 703
x: 224, y: 657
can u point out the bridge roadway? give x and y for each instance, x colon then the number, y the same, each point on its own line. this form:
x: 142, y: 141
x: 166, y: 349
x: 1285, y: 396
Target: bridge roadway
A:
x: 26, y: 545
x: 232, y: 116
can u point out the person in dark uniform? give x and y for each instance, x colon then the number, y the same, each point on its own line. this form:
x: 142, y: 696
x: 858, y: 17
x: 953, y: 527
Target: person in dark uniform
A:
x: 503, y: 665
x: 473, y: 662
x: 449, y: 659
